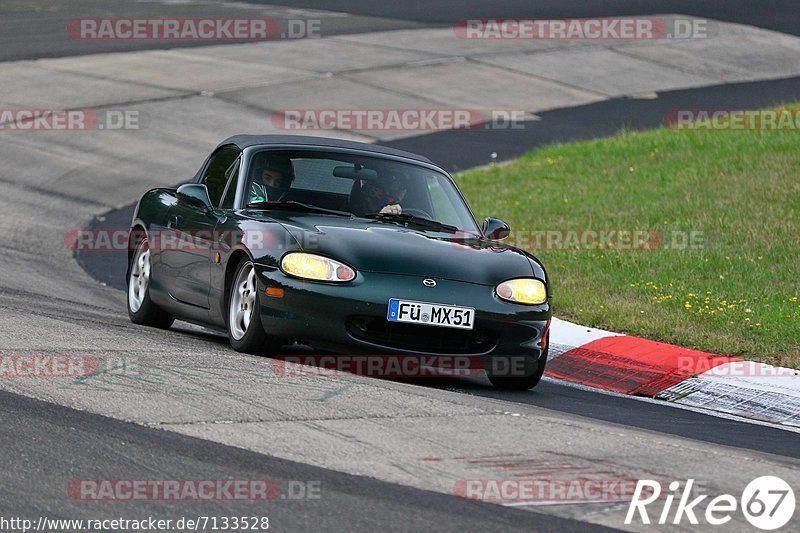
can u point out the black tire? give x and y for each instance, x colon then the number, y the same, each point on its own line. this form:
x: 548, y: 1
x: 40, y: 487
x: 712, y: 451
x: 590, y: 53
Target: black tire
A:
x: 529, y: 378
x: 254, y: 339
x: 141, y: 308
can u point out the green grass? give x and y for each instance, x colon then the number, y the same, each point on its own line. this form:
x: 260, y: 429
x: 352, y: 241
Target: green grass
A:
x: 737, y: 294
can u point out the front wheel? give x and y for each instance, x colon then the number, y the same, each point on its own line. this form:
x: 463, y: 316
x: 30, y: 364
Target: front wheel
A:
x: 517, y: 372
x: 245, y: 332
x: 141, y: 309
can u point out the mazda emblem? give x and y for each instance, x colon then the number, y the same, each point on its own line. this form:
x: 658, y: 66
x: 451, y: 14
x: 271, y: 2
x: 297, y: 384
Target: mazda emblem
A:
x: 428, y: 282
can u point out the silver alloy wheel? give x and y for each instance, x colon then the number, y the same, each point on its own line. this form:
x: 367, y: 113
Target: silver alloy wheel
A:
x: 140, y: 277
x: 243, y: 302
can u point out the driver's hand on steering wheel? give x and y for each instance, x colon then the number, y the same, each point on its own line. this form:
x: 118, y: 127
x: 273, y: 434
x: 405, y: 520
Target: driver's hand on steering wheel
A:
x: 394, y: 209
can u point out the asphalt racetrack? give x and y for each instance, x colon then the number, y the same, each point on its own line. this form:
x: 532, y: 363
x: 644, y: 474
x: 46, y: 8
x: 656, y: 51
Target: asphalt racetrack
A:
x: 385, y: 454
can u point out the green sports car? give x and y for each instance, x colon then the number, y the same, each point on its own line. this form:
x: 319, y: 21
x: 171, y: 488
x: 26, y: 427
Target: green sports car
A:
x: 346, y: 247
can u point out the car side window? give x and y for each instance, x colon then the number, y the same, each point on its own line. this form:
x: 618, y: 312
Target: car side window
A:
x: 441, y: 199
x: 232, y: 176
x: 215, y: 175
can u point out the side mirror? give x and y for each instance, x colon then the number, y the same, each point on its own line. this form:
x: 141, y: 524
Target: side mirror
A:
x: 495, y: 229
x: 195, y: 194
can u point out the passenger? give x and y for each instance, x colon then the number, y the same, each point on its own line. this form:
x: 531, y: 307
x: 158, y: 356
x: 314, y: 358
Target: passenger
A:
x: 383, y: 195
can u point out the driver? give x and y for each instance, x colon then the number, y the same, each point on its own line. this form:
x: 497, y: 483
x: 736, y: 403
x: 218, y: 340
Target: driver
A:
x: 271, y: 177
x: 384, y: 194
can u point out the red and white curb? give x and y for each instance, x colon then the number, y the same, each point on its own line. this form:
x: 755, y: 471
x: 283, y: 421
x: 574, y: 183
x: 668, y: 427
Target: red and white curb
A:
x: 690, y: 378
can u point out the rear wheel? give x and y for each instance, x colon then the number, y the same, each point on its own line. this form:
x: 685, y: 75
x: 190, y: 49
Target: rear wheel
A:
x: 245, y: 332
x: 511, y: 372
x: 141, y: 309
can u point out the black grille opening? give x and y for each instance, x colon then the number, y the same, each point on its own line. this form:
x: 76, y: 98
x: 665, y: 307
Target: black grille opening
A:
x: 420, y: 338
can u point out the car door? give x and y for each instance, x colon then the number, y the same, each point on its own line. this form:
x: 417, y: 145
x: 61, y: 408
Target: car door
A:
x: 193, y: 229
x: 227, y: 234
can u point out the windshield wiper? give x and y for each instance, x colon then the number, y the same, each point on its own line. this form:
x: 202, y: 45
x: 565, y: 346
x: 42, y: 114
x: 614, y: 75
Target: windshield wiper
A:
x: 291, y: 205
x: 412, y: 219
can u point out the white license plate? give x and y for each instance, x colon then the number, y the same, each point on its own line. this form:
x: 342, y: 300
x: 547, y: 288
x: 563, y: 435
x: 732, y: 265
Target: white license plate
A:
x: 429, y: 314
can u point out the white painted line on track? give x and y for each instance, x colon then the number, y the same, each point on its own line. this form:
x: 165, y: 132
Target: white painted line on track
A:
x: 700, y: 410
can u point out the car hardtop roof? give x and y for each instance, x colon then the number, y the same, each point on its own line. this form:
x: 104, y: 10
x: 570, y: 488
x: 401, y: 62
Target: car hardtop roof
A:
x: 246, y: 141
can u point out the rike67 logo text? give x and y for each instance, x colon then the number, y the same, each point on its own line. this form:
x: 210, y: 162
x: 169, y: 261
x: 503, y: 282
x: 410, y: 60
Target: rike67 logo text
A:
x: 767, y: 503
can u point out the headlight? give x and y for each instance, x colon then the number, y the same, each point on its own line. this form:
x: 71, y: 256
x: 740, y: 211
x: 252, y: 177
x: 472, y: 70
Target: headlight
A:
x: 523, y: 291
x: 316, y: 267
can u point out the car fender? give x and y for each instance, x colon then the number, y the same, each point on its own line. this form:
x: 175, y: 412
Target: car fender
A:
x: 262, y: 242
x: 151, y: 215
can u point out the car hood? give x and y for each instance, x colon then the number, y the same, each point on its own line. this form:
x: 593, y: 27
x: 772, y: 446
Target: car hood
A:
x: 373, y: 246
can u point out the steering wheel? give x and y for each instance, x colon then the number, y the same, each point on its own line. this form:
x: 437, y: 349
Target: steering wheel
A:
x: 417, y: 213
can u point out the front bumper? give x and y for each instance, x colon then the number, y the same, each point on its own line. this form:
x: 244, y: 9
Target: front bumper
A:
x: 351, y: 318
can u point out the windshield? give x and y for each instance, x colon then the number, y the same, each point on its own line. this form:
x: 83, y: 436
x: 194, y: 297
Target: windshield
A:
x: 362, y: 185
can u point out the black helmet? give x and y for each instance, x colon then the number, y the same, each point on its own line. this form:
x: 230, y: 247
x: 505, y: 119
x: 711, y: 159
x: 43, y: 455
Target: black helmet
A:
x: 271, y: 188
x: 272, y: 161
x: 390, y: 187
